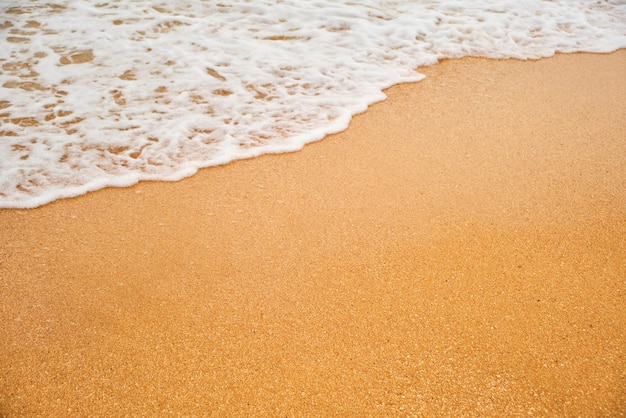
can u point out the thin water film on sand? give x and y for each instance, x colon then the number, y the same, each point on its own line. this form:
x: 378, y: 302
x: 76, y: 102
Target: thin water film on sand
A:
x: 107, y: 94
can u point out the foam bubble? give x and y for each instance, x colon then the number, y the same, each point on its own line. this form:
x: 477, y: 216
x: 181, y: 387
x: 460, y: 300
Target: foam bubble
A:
x: 107, y: 94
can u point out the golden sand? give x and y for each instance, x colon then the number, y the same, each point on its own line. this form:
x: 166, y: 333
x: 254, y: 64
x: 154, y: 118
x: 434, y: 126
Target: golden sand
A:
x: 460, y: 250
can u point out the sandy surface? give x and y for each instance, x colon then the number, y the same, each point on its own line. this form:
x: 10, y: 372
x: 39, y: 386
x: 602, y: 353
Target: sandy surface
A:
x: 459, y: 251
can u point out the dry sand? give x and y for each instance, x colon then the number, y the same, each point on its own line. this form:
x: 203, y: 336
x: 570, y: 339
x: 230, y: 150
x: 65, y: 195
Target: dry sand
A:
x: 460, y: 250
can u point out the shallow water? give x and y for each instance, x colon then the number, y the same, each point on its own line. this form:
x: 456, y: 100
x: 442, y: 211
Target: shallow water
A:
x: 107, y: 94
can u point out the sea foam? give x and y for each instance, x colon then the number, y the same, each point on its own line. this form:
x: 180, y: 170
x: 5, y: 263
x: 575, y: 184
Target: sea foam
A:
x: 96, y: 94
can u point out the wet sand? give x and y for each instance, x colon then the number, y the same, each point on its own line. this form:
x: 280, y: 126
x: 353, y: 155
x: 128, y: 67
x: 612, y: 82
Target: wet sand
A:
x: 460, y: 250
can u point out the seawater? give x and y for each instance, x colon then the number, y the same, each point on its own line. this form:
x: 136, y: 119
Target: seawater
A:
x: 108, y: 93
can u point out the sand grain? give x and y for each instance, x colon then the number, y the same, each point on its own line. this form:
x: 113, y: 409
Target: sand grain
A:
x: 458, y: 251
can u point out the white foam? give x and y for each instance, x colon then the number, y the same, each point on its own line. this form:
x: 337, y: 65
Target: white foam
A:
x: 111, y: 93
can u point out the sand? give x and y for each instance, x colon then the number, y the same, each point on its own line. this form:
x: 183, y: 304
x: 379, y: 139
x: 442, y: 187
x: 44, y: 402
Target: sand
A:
x: 460, y: 250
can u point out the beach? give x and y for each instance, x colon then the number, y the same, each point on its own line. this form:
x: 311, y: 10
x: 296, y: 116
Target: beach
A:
x: 459, y: 250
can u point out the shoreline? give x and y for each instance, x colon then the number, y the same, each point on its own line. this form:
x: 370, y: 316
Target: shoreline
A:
x: 458, y: 250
